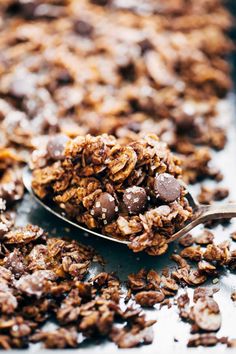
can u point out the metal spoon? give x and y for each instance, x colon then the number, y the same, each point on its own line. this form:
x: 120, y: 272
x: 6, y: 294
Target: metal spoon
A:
x: 201, y: 213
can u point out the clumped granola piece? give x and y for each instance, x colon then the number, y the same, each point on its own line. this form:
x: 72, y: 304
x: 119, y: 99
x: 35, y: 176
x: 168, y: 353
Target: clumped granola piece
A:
x: 196, y: 166
x: 204, y: 339
x: 205, y: 238
x: 149, y: 298
x: 203, y: 293
x: 186, y: 240
x: 37, y: 283
x: 194, y: 253
x: 24, y: 235
x: 185, y: 274
x: 208, y: 195
x: 58, y: 339
x: 150, y: 288
x: 219, y: 254
x: 207, y: 268
x: 144, y: 280
x: 97, y: 176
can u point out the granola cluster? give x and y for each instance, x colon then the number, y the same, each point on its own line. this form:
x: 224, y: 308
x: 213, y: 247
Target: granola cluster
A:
x: 130, y: 191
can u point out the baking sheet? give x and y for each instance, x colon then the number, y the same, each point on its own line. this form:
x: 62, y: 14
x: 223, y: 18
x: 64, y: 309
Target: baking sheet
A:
x: 123, y: 261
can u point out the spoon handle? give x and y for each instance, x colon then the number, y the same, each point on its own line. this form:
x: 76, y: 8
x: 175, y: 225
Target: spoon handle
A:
x: 206, y: 213
x: 219, y: 211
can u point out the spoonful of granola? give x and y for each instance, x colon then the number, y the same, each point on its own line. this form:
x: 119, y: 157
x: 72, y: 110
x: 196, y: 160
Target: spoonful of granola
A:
x: 127, y: 192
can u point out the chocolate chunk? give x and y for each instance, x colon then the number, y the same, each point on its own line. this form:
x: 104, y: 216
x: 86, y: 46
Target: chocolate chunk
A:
x: 167, y: 187
x: 56, y: 145
x: 83, y: 28
x: 105, y: 208
x: 135, y: 199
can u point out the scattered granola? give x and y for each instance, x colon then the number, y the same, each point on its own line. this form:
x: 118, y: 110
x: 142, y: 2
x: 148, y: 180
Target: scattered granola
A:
x: 153, y: 66
x: 150, y: 288
x: 43, y: 278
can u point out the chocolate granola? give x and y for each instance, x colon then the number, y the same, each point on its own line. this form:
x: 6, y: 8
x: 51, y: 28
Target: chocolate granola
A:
x: 126, y: 68
x: 132, y: 191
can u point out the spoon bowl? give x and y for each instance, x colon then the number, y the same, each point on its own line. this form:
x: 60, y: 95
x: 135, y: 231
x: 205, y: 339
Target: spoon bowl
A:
x: 201, y: 213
